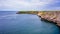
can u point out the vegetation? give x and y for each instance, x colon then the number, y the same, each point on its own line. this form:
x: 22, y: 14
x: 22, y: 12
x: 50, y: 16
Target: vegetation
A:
x: 27, y: 12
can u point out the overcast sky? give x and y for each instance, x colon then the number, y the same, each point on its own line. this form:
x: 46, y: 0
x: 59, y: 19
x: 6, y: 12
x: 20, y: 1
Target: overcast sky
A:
x: 18, y: 5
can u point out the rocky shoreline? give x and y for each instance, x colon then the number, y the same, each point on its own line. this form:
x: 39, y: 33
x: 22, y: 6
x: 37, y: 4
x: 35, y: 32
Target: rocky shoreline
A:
x: 52, y: 16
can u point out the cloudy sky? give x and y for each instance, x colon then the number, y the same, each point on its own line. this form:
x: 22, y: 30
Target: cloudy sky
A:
x: 18, y: 5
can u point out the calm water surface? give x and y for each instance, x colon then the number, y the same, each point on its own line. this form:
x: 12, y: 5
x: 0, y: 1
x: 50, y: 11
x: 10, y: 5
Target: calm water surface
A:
x: 12, y: 23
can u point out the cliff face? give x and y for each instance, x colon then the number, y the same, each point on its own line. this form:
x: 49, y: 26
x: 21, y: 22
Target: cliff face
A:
x: 53, y: 16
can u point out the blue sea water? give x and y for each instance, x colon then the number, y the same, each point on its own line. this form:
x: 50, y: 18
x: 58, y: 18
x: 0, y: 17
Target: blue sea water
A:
x: 12, y: 23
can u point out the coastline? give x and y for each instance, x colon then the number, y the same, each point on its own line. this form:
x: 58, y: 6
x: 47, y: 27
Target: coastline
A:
x: 51, y: 16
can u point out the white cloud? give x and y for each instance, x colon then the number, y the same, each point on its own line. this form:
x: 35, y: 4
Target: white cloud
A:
x: 24, y: 4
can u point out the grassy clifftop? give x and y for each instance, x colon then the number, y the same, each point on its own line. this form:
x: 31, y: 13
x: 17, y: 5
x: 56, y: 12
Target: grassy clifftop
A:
x: 27, y: 12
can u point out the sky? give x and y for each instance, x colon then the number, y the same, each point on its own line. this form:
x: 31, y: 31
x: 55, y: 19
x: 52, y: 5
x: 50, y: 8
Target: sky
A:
x: 24, y: 5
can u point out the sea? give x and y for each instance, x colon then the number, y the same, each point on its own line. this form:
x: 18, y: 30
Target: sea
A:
x: 12, y: 23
